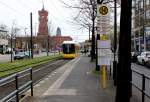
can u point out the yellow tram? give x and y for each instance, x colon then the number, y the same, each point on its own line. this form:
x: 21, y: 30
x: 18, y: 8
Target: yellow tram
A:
x: 70, y: 49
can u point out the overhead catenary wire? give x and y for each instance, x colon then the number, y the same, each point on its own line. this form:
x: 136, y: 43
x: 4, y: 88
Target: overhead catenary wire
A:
x: 11, y: 8
x: 54, y: 7
x: 24, y: 4
x: 22, y: 12
x: 58, y: 10
x: 16, y: 12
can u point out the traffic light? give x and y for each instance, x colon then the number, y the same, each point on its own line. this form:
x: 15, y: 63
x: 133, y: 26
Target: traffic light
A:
x: 100, y: 1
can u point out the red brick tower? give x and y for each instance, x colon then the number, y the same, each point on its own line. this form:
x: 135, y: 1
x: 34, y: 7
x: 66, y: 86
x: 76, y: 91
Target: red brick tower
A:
x: 43, y: 28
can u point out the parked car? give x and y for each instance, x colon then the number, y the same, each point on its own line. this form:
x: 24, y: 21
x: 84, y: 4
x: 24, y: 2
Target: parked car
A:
x: 134, y: 56
x: 54, y: 51
x: 28, y: 53
x: 143, y: 58
x: 21, y: 55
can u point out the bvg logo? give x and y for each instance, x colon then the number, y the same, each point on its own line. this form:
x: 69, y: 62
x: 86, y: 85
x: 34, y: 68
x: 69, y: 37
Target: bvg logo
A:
x: 103, y: 10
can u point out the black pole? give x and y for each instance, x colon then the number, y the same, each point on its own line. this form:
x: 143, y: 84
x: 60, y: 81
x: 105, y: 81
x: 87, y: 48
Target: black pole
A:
x: 25, y: 39
x: 97, y: 66
x: 47, y: 45
x: 11, y: 48
x: 115, y: 44
x: 124, y: 74
x: 31, y: 42
x: 97, y: 69
x: 89, y: 32
x: 143, y: 24
x: 93, y: 32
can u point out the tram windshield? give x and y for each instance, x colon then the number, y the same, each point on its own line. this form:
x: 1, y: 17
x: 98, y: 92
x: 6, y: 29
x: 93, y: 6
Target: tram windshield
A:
x: 68, y: 48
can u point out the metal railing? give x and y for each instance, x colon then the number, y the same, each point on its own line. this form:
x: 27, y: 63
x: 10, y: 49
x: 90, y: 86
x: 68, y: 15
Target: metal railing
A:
x: 18, y: 89
x: 142, y: 89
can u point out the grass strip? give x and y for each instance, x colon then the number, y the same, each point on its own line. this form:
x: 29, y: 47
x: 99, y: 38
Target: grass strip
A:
x: 19, y: 65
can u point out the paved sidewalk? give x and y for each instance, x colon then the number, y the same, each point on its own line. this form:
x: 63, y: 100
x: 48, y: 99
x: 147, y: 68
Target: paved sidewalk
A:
x: 74, y: 82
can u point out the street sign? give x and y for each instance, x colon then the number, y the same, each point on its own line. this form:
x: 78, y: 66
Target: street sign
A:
x: 104, y: 44
x: 103, y: 61
x: 104, y: 53
x: 103, y: 28
x: 104, y: 10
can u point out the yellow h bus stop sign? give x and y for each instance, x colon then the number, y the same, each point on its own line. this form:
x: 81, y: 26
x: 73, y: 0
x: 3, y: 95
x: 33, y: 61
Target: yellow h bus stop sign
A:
x: 103, y: 10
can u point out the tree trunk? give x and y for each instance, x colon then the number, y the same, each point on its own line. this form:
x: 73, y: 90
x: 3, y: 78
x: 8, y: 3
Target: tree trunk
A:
x: 123, y: 92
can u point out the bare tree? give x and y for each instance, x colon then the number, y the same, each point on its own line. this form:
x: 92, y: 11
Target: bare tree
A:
x: 84, y: 16
x: 4, y: 31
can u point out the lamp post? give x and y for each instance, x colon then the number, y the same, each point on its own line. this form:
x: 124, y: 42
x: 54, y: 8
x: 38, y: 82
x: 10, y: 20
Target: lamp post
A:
x: 31, y: 42
x: 93, y: 30
x: 47, y: 45
x: 144, y: 35
x: 11, y: 43
x: 115, y: 44
x: 25, y: 38
x: 11, y: 47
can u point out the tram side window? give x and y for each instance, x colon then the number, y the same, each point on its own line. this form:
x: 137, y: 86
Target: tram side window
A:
x: 68, y: 49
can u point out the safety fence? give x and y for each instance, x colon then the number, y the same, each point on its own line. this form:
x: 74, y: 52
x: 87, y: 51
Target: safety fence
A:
x: 142, y: 85
x: 19, y: 88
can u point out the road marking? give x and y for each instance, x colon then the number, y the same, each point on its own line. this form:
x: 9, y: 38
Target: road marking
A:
x: 54, y: 88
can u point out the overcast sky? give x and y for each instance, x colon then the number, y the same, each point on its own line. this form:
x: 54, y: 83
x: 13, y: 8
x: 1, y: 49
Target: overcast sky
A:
x: 18, y: 11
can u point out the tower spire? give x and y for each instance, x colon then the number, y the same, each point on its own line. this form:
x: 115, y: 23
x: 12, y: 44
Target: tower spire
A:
x: 43, y: 5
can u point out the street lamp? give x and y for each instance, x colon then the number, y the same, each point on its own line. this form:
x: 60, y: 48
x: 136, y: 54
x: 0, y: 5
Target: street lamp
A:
x: 11, y: 47
x: 144, y: 37
x: 115, y: 44
x: 11, y: 44
x: 47, y: 45
x: 31, y: 38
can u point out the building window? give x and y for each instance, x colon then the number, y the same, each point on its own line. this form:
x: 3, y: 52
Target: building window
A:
x: 141, y: 4
x: 147, y: 2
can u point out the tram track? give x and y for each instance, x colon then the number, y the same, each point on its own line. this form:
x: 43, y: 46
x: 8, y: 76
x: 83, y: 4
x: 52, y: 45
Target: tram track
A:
x: 39, y: 72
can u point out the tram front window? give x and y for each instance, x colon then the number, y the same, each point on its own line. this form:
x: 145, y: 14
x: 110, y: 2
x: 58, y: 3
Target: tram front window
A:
x: 68, y: 49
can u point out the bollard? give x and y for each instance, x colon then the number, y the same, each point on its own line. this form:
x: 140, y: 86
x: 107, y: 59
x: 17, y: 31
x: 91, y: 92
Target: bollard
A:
x: 103, y: 76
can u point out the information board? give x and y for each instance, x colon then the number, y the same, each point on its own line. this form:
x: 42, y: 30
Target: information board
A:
x: 103, y: 44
